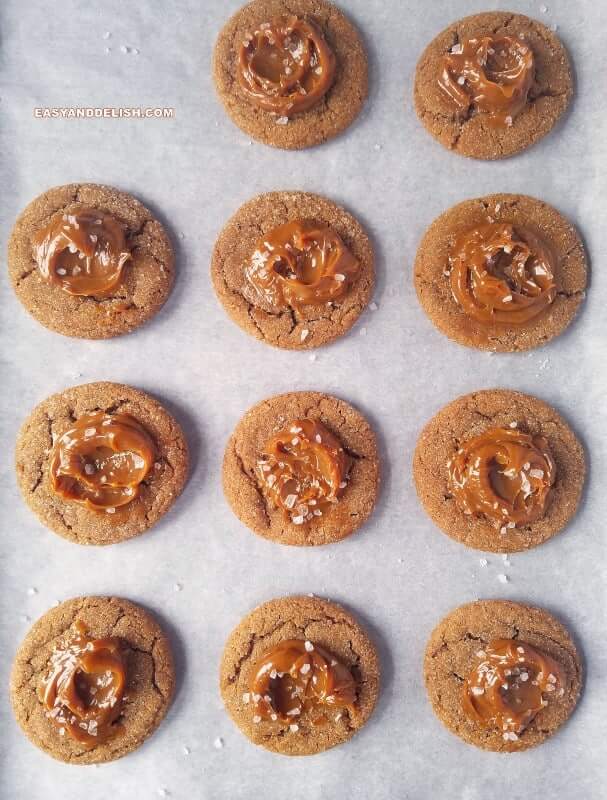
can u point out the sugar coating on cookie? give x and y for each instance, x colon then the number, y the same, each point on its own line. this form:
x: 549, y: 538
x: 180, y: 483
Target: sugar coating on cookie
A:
x: 460, y: 654
x: 526, y: 287
x: 330, y: 646
x: 90, y: 261
x: 136, y: 675
x: 101, y: 462
x: 290, y: 74
x: 318, y: 491
x: 293, y: 324
x: 493, y: 56
x: 522, y: 477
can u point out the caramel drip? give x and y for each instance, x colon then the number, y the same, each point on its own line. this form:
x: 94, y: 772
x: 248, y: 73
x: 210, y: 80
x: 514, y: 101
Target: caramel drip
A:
x: 505, y: 475
x: 304, y: 470
x: 83, y: 253
x: 299, y: 264
x: 490, y: 75
x: 101, y: 461
x: 83, y: 690
x: 506, y: 688
x: 285, y: 66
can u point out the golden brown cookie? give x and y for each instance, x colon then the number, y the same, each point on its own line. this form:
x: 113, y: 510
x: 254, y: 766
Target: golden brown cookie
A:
x: 433, y: 279
x: 332, y: 114
x: 147, y: 276
x: 149, y: 677
x: 470, y: 133
x: 307, y: 326
x: 319, y: 623
x: 246, y: 452
x: 448, y: 434
x: 462, y: 638
x: 43, y: 433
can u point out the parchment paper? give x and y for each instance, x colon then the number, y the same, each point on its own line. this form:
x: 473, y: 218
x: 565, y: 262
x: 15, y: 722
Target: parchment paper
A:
x: 399, y: 574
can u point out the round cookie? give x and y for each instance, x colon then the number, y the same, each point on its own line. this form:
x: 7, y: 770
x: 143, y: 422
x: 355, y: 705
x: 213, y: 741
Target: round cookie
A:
x: 472, y: 135
x: 451, y: 655
x: 246, y: 445
x: 471, y: 415
x: 434, y: 289
x: 325, y: 624
x: 148, y: 275
x: 332, y: 114
x: 149, y: 669
x: 158, y: 491
x: 313, y: 325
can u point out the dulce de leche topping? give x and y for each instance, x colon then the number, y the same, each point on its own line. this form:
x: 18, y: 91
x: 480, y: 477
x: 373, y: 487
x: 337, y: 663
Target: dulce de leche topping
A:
x: 299, y: 264
x: 101, y: 461
x: 506, y: 688
x: 83, y: 253
x: 490, y: 75
x: 297, y: 678
x: 505, y: 475
x: 304, y: 470
x: 83, y: 690
x: 285, y: 66
x: 502, y: 274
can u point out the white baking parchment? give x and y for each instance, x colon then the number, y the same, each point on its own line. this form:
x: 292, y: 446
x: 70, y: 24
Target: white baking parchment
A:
x: 200, y: 569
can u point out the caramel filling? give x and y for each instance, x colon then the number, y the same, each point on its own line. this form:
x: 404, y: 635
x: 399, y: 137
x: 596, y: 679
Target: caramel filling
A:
x: 491, y: 75
x: 502, y: 274
x: 83, y: 690
x: 285, y: 66
x: 297, y: 679
x: 299, y: 264
x: 503, y: 474
x: 101, y: 461
x: 83, y: 253
x: 304, y: 470
x: 506, y: 688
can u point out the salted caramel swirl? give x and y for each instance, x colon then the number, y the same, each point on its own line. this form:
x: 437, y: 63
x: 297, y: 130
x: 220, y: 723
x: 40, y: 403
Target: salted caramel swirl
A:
x: 285, y: 66
x: 505, y: 690
x: 304, y: 470
x: 490, y: 75
x: 297, y: 679
x: 503, y: 274
x: 83, y: 253
x: 505, y: 475
x: 83, y: 689
x: 299, y: 264
x: 101, y: 461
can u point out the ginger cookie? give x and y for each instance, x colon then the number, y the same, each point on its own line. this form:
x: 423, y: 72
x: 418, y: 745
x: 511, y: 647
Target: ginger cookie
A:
x: 290, y: 73
x: 101, y: 462
x: 299, y: 675
x: 302, y: 469
x: 492, y: 84
x: 92, y: 680
x: 504, y: 272
x: 502, y: 676
x: 90, y: 261
x: 314, y: 283
x: 499, y: 471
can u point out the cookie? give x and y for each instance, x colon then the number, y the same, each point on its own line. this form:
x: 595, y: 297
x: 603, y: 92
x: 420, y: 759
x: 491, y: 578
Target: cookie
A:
x: 305, y: 326
x: 145, y: 280
x: 77, y: 509
x: 546, y: 444
x: 332, y: 112
x: 463, y: 637
x: 470, y: 131
x: 323, y: 627
x: 246, y: 459
x: 148, y: 674
x: 566, y: 257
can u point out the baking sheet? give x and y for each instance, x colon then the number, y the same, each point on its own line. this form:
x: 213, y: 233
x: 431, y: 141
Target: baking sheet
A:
x: 399, y: 574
